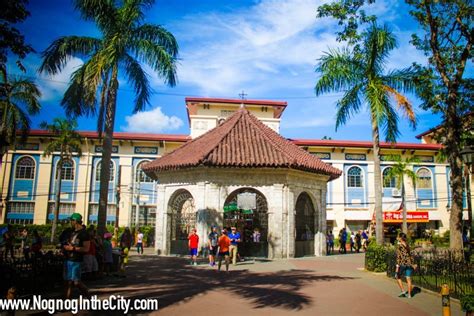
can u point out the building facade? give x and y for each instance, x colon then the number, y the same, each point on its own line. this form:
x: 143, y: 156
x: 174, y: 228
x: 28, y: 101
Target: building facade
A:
x: 27, y: 177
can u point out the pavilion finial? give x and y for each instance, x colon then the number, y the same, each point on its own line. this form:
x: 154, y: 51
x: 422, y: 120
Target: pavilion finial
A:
x: 242, y: 96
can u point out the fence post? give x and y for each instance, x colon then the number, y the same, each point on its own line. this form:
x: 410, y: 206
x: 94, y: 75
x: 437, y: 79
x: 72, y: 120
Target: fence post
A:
x: 445, y: 303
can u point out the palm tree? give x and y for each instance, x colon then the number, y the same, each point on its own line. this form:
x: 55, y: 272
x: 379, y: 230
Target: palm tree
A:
x: 67, y: 142
x: 398, y: 171
x: 359, y: 72
x: 19, y: 99
x: 125, y: 44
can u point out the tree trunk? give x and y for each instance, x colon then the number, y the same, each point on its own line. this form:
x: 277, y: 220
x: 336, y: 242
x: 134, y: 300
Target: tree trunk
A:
x: 467, y: 176
x: 453, y: 139
x: 57, y: 200
x: 404, y: 223
x: 107, y: 153
x: 377, y: 183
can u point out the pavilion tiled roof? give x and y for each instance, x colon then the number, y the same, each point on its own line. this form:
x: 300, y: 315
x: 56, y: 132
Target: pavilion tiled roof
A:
x: 242, y: 141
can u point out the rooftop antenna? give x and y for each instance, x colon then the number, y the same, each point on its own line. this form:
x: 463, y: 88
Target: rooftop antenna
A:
x: 242, y: 96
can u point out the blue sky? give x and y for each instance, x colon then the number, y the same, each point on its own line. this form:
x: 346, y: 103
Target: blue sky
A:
x: 268, y: 48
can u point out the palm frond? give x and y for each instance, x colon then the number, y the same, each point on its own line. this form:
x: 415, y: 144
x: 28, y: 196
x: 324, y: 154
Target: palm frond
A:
x: 403, y: 104
x: 339, y: 71
x: 139, y: 80
x: 159, y: 35
x: 102, y: 12
x: 79, y: 98
x: 378, y: 41
x: 56, y: 56
x: 389, y: 120
x: 157, y: 57
x: 348, y: 106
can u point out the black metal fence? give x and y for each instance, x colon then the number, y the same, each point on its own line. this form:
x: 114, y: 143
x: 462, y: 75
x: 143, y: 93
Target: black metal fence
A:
x: 35, y: 275
x: 436, y: 267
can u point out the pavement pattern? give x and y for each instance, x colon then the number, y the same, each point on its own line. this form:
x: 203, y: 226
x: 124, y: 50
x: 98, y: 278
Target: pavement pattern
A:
x: 332, y: 285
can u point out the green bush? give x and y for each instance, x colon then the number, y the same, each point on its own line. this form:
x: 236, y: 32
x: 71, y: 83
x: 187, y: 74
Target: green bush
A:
x: 467, y: 302
x: 376, y: 257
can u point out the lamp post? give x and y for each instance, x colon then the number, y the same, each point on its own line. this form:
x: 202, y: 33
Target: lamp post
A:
x: 467, y: 155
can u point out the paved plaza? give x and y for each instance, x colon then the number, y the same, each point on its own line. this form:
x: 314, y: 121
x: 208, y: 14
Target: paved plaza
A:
x: 333, y: 285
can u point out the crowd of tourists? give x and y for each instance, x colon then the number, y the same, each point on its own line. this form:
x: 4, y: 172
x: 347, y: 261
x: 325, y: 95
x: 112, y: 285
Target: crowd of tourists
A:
x: 223, y: 246
x: 357, y: 240
x: 87, y: 255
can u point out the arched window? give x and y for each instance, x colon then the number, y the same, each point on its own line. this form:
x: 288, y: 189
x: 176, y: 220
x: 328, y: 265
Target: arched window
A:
x: 140, y: 176
x: 389, y: 182
x: 67, y: 170
x: 424, y: 179
x: 112, y: 171
x: 25, y: 168
x: 355, y: 177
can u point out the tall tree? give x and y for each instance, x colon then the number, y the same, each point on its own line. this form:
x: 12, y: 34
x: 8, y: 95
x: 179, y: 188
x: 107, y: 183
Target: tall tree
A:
x: 125, y: 44
x: 400, y: 169
x: 359, y: 72
x: 447, y: 41
x: 66, y: 142
x: 20, y: 100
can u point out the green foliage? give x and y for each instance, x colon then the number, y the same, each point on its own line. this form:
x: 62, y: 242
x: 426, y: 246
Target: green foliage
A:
x: 43, y: 230
x: 467, y: 302
x: 376, y: 257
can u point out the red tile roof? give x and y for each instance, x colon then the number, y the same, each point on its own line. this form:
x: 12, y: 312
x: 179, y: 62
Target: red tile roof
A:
x: 119, y: 136
x: 242, y: 141
x: 363, y: 144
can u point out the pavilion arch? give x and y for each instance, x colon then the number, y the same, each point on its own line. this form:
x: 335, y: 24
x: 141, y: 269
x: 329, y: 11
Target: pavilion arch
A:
x: 182, y: 212
x: 248, y: 222
x: 306, y: 225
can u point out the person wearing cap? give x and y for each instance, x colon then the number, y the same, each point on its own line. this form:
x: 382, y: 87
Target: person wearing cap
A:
x: 77, y: 245
x: 234, y: 242
x: 224, y: 244
x: 193, y: 243
x: 213, y: 238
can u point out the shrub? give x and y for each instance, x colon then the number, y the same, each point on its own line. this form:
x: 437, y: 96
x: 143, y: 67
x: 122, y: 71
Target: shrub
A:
x: 376, y: 257
x: 467, y: 302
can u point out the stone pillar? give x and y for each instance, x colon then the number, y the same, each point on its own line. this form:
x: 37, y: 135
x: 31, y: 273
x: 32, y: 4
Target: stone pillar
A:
x: 126, y: 178
x: 161, y: 223
x: 320, y: 237
x: 276, y: 229
x: 289, y: 220
x: 44, y: 176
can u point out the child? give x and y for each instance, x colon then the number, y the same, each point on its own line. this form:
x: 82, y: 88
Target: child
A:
x: 108, y: 259
x: 193, y: 243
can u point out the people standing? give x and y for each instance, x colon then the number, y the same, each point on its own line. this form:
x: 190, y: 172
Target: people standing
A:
x: 342, y: 240
x: 234, y: 244
x: 125, y: 245
x: 330, y: 242
x: 405, y: 265
x: 365, y: 239
x: 77, y: 246
x: 9, y: 240
x: 224, y: 246
x: 90, y: 266
x: 36, y: 244
x: 213, y: 245
x: 352, y: 242
x: 24, y: 243
x: 108, y: 258
x: 140, y: 242
x: 193, y: 244
x: 358, y: 242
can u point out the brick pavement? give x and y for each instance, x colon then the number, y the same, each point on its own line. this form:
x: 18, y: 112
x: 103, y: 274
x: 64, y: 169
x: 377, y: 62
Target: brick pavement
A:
x: 334, y: 285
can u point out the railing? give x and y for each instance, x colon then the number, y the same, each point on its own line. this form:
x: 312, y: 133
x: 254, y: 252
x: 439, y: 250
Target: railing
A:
x: 36, y: 275
x: 436, y: 267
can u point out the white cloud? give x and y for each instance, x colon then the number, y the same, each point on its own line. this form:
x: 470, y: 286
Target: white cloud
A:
x: 153, y: 121
x: 53, y: 87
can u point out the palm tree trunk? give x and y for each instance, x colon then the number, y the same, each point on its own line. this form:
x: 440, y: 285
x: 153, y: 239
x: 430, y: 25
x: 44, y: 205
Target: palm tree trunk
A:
x: 58, y: 199
x: 404, y: 223
x: 377, y: 182
x: 467, y: 176
x: 107, y: 153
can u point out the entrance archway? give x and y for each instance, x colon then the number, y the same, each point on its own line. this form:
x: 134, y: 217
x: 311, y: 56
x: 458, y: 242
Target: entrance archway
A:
x: 183, y: 218
x: 305, y: 220
x: 247, y: 210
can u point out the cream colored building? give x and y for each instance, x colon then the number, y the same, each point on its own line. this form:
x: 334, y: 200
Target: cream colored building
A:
x: 27, y: 184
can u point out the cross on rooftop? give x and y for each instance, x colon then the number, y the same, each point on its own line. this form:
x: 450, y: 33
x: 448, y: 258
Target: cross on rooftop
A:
x: 242, y: 95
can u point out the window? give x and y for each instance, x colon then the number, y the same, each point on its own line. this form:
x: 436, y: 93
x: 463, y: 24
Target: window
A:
x: 112, y: 171
x: 140, y: 176
x: 424, y: 179
x: 21, y: 207
x: 64, y: 208
x: 354, y: 177
x: 25, y: 168
x: 387, y: 181
x: 67, y: 171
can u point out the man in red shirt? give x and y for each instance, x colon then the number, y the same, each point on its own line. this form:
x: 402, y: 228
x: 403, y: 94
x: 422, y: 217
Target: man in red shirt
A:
x: 224, y: 244
x: 193, y: 243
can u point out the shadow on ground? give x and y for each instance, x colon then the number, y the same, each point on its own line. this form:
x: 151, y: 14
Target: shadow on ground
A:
x: 172, y: 280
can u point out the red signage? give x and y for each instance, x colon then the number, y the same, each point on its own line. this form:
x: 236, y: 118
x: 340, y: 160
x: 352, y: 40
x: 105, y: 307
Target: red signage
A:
x: 412, y: 217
